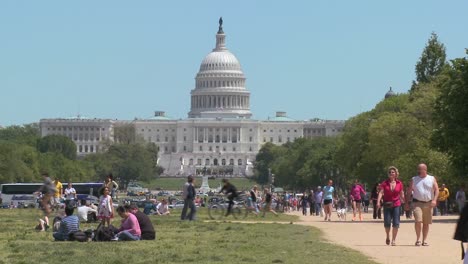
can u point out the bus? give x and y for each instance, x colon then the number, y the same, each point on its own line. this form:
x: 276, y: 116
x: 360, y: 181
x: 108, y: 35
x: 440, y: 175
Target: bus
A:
x: 17, y: 191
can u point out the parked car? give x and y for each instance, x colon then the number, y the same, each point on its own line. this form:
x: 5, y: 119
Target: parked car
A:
x: 177, y: 204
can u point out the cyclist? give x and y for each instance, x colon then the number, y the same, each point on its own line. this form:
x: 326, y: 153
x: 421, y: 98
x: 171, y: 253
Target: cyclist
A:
x: 231, y: 192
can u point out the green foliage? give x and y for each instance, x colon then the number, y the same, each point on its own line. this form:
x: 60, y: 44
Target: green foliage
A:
x: 451, y: 112
x: 432, y: 60
x: 58, y: 144
x: 301, y: 164
x: 27, y: 134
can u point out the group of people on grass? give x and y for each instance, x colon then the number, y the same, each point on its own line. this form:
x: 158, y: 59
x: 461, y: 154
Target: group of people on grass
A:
x: 135, y: 225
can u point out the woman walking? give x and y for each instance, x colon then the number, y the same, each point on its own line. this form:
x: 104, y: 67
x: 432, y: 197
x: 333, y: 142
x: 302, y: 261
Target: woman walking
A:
x: 356, y: 199
x: 374, y: 195
x: 392, y: 192
x: 328, y: 199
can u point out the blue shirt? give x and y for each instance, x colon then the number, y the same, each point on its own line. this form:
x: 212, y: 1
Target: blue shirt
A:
x: 69, y: 224
x: 328, y: 192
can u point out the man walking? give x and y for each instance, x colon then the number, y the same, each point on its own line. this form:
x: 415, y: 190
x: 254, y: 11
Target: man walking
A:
x: 443, y: 200
x: 425, y: 193
x: 188, y: 195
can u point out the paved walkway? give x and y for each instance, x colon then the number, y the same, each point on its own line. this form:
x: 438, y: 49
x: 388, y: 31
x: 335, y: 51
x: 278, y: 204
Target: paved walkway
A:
x: 368, y: 237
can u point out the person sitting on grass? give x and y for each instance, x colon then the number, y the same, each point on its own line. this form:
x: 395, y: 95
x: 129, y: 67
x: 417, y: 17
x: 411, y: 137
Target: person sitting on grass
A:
x: 146, y: 227
x: 163, y: 208
x: 69, y: 224
x: 86, y: 212
x: 130, y: 228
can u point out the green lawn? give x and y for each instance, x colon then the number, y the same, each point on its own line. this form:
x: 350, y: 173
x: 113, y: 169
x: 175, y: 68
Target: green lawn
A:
x: 177, y: 242
x: 174, y: 184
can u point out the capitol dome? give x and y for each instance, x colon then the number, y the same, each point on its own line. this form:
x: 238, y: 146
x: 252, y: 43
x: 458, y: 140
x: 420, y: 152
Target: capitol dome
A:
x: 220, y: 85
x: 390, y: 93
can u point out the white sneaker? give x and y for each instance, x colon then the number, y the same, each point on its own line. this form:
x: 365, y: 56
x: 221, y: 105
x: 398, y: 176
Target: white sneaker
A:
x: 115, y: 238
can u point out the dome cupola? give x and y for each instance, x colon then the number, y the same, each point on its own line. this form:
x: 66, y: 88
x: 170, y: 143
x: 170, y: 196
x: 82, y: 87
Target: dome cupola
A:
x: 220, y: 84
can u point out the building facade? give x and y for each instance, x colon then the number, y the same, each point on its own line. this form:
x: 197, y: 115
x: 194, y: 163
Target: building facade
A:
x: 218, y: 137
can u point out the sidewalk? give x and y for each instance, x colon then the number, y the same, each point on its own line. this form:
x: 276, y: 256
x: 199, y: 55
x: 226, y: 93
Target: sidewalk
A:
x: 368, y: 237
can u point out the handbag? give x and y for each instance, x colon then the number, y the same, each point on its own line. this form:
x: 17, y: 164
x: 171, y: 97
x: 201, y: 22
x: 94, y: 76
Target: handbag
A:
x: 388, y: 204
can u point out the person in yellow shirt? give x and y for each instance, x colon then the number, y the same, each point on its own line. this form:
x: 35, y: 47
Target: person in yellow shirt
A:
x: 58, y: 192
x: 443, y: 200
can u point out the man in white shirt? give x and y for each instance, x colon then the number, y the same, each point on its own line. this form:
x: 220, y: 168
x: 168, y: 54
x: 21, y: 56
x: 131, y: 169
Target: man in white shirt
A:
x: 86, y: 212
x: 425, y: 193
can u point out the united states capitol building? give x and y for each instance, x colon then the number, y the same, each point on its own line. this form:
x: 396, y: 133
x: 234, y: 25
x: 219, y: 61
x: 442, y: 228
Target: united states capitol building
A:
x: 218, y: 135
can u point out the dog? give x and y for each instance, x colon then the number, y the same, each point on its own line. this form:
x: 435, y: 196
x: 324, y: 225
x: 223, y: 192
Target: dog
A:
x: 341, y: 214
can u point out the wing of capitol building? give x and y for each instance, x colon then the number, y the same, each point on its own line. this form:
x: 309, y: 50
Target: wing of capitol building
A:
x: 218, y: 135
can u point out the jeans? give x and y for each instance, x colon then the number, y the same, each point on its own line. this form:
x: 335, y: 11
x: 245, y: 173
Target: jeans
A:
x: 127, y: 236
x: 59, y: 236
x: 188, y: 203
x: 318, y: 207
x: 229, y: 209
x: 392, y: 216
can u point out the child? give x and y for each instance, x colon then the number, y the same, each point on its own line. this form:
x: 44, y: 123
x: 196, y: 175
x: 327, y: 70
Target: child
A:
x: 106, y: 209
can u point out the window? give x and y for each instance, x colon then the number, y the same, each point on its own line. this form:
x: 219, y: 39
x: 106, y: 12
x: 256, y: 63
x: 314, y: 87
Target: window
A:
x: 200, y: 148
x: 185, y: 148
x: 210, y: 148
x: 288, y: 139
x: 157, y: 138
x: 173, y: 149
x: 224, y: 148
x: 250, y: 139
x: 250, y: 149
x: 280, y: 139
x: 239, y: 162
x: 190, y: 161
x: 271, y: 139
x: 173, y: 138
x: 234, y: 149
x: 165, y: 139
x: 207, y: 162
x: 185, y: 138
x: 223, y: 162
x: 295, y: 130
x: 231, y: 162
x: 165, y: 149
x: 264, y: 139
x: 198, y: 161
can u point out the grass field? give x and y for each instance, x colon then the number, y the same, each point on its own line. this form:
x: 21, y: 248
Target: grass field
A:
x: 174, y: 184
x: 177, y: 242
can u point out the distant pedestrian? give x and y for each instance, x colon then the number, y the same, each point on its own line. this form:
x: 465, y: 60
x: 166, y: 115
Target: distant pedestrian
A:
x: 392, y: 192
x: 318, y: 201
x: 460, y: 197
x: 304, y: 202
x: 442, y: 200
x: 357, y: 192
x: 188, y: 194
x: 327, y: 199
x: 425, y: 193
x: 374, y: 196
x: 268, y: 200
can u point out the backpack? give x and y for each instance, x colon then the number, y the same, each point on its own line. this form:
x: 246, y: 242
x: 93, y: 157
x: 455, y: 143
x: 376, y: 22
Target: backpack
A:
x: 79, y: 236
x: 461, y: 232
x: 103, y: 233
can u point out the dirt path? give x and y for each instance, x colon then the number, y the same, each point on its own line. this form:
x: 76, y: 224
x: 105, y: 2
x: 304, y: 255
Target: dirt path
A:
x: 368, y: 237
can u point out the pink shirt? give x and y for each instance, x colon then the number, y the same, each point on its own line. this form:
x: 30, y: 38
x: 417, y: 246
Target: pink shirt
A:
x: 389, y: 195
x: 131, y: 224
x: 356, y: 191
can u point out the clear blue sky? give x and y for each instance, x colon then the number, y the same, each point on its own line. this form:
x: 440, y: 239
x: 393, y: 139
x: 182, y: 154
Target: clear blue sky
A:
x: 125, y: 59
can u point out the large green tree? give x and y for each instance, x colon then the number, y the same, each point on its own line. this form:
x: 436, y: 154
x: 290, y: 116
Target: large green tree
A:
x: 451, y: 115
x: 431, y: 62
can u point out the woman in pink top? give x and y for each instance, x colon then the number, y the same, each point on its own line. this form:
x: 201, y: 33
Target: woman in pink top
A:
x: 356, y: 200
x: 130, y: 228
x: 392, y: 192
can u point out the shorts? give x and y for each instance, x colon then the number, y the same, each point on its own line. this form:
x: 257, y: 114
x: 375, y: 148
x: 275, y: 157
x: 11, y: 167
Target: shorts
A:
x: 327, y: 201
x: 358, y: 201
x: 422, y: 212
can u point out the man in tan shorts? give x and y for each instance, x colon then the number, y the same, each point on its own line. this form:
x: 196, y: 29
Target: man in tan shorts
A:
x: 425, y: 192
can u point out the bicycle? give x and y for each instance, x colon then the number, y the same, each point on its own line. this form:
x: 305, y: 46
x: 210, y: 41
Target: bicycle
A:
x: 217, y: 210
